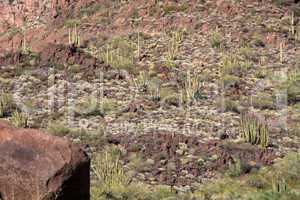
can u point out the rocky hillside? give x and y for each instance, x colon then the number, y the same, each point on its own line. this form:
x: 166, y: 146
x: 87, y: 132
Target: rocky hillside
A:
x: 172, y: 93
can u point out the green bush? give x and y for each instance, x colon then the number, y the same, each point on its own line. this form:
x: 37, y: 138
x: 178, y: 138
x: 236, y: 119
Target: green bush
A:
x: 284, y: 174
x: 58, y: 128
x: 216, y: 39
x: 93, y: 107
x: 237, y: 168
x: 229, y: 81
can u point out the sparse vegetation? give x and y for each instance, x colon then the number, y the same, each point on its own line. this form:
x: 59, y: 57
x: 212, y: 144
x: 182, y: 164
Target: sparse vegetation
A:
x: 216, y: 39
x: 58, y: 128
x: 261, y: 187
x: 292, y: 86
x: 262, y: 101
x: 89, y: 107
x: 172, y: 100
x: 93, y: 106
x: 169, y: 9
x: 229, y: 105
x: 119, y: 53
x: 113, y: 183
x: 229, y: 81
x: 233, y: 65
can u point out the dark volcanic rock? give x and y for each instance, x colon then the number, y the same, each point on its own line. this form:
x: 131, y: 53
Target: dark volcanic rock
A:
x: 34, y: 165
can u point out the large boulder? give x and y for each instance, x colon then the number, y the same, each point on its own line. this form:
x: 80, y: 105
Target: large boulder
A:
x: 38, y: 166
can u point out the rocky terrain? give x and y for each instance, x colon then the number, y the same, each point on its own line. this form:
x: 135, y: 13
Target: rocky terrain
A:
x: 188, y: 99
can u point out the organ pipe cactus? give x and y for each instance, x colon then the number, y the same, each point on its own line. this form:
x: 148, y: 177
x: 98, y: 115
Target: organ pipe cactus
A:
x: 74, y: 37
x: 279, y: 186
x: 254, y: 131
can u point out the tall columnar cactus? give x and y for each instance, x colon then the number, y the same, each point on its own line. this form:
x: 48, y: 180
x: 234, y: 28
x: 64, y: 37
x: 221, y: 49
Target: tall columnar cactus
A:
x: 74, y: 37
x: 254, y: 131
x: 264, y: 135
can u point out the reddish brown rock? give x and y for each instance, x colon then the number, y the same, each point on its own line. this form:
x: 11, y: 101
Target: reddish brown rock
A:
x: 37, y: 166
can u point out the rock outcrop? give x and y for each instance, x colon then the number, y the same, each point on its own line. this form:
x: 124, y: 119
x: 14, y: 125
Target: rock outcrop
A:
x: 37, y: 166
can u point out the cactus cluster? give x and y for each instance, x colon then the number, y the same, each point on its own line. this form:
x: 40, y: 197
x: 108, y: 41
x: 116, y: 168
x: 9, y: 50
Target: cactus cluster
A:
x: 254, y: 131
x: 6, y: 104
x: 74, y: 37
x: 279, y: 186
x: 191, y: 88
x: 19, y: 120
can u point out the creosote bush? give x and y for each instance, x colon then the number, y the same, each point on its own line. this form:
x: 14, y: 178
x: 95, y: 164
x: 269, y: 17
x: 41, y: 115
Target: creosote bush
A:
x: 254, y: 131
x: 58, y: 128
x: 237, y: 168
x: 234, y: 65
x: 216, y: 39
x: 92, y: 106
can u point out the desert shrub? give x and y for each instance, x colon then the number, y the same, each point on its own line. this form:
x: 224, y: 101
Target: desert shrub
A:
x: 262, y: 185
x: 247, y: 52
x: 293, y: 91
x: 216, y: 39
x: 90, y: 9
x: 280, y: 2
x: 58, y: 128
x: 292, y: 87
x: 88, y: 107
x: 92, y: 106
x: 237, y: 168
x: 228, y: 105
x: 229, y: 81
x: 262, y: 101
x: 233, y: 65
x: 169, y: 9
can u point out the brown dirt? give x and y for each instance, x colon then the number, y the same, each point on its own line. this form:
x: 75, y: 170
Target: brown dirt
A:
x: 216, y: 155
